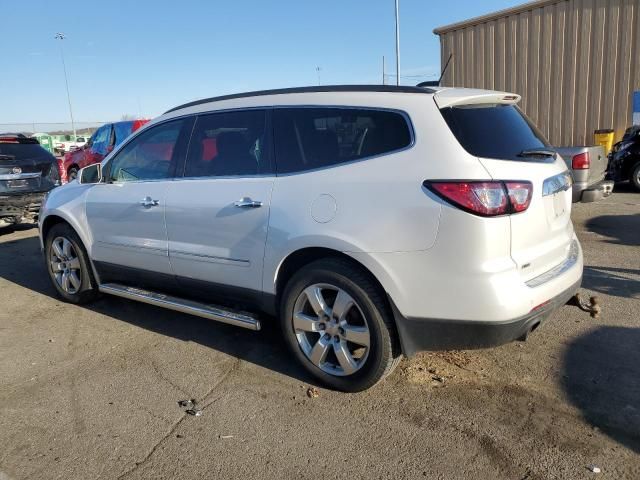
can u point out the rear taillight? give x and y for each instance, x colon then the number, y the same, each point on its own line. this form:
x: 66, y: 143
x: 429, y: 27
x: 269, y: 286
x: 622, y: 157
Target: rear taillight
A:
x: 487, y: 199
x: 62, y: 171
x: 581, y: 161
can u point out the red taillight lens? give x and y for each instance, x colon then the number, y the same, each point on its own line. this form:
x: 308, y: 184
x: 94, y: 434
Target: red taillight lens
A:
x: 9, y: 140
x: 487, y: 199
x: 581, y: 161
x: 62, y: 171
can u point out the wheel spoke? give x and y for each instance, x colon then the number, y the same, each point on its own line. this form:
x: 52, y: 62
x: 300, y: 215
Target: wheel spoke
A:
x: 57, y: 250
x: 306, y: 323
x: 65, y: 281
x: 342, y: 305
x: 74, y: 263
x: 66, y: 248
x: 320, y: 350
x: 357, y: 335
x: 75, y: 280
x: 316, y: 300
x: 345, y: 359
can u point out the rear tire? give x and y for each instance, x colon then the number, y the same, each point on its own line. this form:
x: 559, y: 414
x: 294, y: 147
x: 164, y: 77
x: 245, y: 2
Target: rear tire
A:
x: 68, y: 265
x: 635, y: 176
x: 338, y: 324
x: 72, y: 174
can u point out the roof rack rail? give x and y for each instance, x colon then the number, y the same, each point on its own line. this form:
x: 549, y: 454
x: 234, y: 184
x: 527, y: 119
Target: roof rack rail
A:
x: 322, y: 88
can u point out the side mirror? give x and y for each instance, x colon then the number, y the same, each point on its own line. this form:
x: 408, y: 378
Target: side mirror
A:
x: 90, y: 174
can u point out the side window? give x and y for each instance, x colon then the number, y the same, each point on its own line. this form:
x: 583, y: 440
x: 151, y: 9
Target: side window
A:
x: 149, y: 156
x: 228, y: 144
x: 308, y: 138
x: 100, y: 139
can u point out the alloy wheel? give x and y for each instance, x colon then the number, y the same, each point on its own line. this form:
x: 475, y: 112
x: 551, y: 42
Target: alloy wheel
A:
x: 65, y: 265
x: 331, y: 329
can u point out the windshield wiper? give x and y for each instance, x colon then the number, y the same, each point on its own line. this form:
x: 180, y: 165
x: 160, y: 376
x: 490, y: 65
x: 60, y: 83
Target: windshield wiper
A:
x: 537, y: 152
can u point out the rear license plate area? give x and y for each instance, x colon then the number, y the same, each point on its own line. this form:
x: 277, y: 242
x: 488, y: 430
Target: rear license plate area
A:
x: 17, y: 183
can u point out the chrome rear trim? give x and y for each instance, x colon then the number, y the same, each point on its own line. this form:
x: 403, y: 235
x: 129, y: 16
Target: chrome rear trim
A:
x: 19, y: 176
x: 570, y: 261
x: 558, y: 183
x: 182, y: 305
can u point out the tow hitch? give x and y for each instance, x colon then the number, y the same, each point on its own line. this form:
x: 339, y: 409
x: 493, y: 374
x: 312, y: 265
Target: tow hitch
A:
x: 592, y: 305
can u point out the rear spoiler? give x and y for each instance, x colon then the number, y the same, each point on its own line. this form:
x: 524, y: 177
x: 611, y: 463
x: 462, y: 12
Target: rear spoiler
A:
x: 449, y: 97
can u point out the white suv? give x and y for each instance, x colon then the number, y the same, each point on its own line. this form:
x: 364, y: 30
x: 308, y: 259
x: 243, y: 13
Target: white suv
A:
x: 371, y: 220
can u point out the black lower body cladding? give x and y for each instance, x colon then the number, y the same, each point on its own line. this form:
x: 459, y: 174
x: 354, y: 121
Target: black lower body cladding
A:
x: 423, y: 334
x: 19, y: 205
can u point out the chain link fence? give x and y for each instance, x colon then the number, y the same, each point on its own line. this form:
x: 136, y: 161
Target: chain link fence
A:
x: 52, y: 128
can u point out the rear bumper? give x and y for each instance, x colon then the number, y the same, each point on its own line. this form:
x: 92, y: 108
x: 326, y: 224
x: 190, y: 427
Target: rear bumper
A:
x: 22, y: 205
x: 420, y: 334
x: 592, y: 193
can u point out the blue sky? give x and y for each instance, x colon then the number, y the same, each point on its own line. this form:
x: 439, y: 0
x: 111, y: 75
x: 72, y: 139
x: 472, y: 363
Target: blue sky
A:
x: 143, y: 57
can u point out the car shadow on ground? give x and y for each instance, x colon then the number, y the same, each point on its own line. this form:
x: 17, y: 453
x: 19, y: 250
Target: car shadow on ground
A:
x: 21, y: 263
x: 620, y: 229
x: 602, y: 379
x: 612, y: 281
x: 7, y: 229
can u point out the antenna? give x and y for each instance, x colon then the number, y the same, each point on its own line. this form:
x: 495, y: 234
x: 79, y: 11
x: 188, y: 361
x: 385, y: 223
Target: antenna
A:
x: 444, y: 70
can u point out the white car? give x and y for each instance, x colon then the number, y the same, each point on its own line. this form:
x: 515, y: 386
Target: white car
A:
x: 70, y: 146
x: 372, y: 221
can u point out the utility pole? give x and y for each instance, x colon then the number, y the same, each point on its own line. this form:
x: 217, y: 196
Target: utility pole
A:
x: 318, y: 72
x: 61, y: 37
x: 384, y: 81
x: 397, y: 45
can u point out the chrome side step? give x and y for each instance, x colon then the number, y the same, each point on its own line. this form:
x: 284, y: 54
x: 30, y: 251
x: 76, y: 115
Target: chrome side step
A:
x: 190, y: 307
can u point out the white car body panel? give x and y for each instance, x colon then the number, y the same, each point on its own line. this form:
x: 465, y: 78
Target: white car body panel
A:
x: 212, y: 240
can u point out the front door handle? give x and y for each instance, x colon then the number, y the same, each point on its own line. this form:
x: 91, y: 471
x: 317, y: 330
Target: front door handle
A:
x: 246, y: 202
x: 149, y: 202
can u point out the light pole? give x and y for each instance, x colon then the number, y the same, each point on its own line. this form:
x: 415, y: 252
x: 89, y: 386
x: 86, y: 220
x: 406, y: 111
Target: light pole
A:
x: 318, y: 72
x: 61, y: 36
x: 397, y: 45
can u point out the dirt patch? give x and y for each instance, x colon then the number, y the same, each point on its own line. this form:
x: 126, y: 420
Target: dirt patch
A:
x: 441, y: 368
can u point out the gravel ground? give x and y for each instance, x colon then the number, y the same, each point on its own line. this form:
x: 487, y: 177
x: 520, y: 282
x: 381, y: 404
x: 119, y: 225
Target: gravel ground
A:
x: 92, y: 392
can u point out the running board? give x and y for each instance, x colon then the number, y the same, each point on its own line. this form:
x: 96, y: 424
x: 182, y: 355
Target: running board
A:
x: 181, y: 305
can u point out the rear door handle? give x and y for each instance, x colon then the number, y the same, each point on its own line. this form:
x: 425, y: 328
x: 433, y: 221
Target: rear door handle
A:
x: 149, y: 202
x: 246, y: 202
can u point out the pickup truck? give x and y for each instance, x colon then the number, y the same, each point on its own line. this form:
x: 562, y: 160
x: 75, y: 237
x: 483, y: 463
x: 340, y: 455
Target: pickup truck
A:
x: 588, y: 167
x: 70, y: 145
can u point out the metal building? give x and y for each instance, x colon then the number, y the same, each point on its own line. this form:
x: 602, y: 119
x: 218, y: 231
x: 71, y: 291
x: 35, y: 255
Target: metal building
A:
x: 576, y: 63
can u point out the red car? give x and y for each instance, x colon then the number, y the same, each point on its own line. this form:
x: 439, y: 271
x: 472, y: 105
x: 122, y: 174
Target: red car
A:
x: 103, y: 140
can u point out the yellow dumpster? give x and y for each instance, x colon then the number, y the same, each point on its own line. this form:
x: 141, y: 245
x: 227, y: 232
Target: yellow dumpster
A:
x: 604, y: 137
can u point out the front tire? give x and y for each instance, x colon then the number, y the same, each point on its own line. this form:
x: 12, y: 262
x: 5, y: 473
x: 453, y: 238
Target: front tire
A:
x: 68, y: 265
x: 635, y: 176
x: 73, y: 174
x: 338, y: 324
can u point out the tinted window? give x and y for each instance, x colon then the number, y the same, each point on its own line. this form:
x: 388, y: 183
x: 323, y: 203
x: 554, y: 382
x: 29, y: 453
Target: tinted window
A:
x: 149, y: 156
x: 21, y: 151
x: 308, y: 138
x: 231, y: 143
x: 493, y: 131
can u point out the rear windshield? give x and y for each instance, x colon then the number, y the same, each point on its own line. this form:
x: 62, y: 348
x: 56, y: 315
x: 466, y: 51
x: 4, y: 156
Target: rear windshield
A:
x: 20, y: 151
x: 494, y: 131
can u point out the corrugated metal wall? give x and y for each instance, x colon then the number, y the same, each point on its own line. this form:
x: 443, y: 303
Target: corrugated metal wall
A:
x: 576, y: 64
